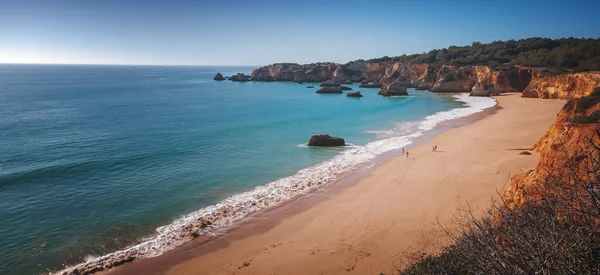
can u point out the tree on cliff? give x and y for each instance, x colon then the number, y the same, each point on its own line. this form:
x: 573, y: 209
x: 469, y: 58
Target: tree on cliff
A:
x: 568, y: 53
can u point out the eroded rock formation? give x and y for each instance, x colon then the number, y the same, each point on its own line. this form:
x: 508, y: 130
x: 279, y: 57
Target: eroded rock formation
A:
x: 354, y: 94
x: 218, y: 76
x: 564, y: 151
x: 330, y: 90
x: 434, y: 77
x: 565, y: 86
x: 393, y: 89
x: 240, y: 77
x: 326, y: 140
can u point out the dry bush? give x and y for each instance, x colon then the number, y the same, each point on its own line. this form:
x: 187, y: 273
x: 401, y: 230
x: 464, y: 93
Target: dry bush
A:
x: 558, y: 235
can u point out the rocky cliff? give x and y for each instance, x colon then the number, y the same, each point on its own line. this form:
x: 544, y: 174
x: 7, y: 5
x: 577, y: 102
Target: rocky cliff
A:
x: 433, y: 77
x: 565, y: 86
x: 564, y: 151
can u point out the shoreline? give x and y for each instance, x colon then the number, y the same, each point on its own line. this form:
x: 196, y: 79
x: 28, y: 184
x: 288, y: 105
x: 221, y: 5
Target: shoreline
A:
x: 225, y: 215
x: 265, y: 219
x: 348, y: 231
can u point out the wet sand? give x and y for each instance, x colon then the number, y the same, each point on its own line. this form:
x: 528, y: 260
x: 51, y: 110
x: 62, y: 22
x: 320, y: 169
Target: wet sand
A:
x: 365, y: 224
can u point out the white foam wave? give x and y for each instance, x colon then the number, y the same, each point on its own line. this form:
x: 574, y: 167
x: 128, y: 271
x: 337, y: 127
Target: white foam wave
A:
x: 217, y: 217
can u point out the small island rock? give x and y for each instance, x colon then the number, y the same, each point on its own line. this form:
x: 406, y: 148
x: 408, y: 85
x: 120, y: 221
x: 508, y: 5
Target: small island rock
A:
x: 330, y: 90
x: 329, y: 83
x: 219, y: 76
x: 326, y: 140
x: 354, y: 94
x: 393, y: 89
x: 240, y: 77
x: 345, y: 88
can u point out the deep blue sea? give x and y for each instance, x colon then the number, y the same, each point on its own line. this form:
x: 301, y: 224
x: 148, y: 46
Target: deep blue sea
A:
x: 95, y: 158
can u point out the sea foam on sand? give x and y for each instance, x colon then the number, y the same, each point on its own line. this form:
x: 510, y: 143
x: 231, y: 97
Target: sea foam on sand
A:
x: 217, y: 217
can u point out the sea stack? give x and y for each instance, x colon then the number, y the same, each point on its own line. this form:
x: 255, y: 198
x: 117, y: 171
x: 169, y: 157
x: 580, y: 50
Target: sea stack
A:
x: 330, y: 90
x: 219, y: 77
x: 240, y: 77
x: 326, y: 141
x: 393, y: 89
x: 330, y: 87
x: 354, y: 94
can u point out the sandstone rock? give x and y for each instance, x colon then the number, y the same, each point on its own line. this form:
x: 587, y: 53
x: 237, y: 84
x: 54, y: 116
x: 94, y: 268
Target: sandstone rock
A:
x: 240, y: 77
x: 326, y: 140
x: 525, y: 153
x: 345, y: 88
x: 330, y: 83
x: 565, y: 86
x: 480, y: 90
x: 218, y: 76
x: 354, y: 94
x: 393, y: 89
x: 565, y: 144
x: 330, y: 90
x: 453, y: 80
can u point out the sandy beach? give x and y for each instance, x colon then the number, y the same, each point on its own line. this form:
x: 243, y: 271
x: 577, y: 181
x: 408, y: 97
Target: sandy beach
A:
x: 368, y: 226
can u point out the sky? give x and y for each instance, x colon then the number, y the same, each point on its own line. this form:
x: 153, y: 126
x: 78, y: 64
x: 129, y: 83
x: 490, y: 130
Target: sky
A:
x: 258, y: 32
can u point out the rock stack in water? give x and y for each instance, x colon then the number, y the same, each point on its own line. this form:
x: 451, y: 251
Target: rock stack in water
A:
x: 326, y: 141
x: 330, y: 87
x: 219, y: 76
x: 240, y: 77
x: 354, y: 94
x: 393, y: 89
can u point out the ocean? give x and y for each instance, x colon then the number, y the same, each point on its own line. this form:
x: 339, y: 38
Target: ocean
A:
x: 97, y: 159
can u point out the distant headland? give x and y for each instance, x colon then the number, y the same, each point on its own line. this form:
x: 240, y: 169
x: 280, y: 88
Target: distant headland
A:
x: 528, y: 65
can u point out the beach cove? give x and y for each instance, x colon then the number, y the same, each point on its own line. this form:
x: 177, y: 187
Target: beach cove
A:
x: 368, y: 226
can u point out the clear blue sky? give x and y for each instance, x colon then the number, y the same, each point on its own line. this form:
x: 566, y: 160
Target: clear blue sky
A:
x: 261, y: 32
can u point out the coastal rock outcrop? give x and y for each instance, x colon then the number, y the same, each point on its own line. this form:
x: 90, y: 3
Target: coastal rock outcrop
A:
x: 330, y: 90
x: 219, y: 77
x: 393, y: 89
x: 326, y: 141
x: 315, y: 72
x: 240, y: 77
x: 330, y: 83
x: 564, y: 86
x: 354, y: 94
x: 434, y: 77
x: 481, y: 89
x: 565, y: 145
x: 345, y: 88
x: 454, y: 80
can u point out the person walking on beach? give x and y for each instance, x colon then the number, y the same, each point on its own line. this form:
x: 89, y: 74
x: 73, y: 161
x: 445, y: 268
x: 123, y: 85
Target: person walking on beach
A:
x: 406, y: 154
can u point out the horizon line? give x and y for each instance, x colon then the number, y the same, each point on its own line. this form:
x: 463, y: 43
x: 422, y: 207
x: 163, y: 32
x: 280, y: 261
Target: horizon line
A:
x: 123, y: 64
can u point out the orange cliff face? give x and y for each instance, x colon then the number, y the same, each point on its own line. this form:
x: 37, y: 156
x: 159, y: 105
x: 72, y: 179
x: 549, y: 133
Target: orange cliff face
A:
x: 563, y: 151
x: 433, y: 77
x: 565, y: 86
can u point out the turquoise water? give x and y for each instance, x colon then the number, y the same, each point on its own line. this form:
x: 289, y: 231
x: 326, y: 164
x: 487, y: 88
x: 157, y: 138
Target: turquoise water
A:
x: 94, y: 158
